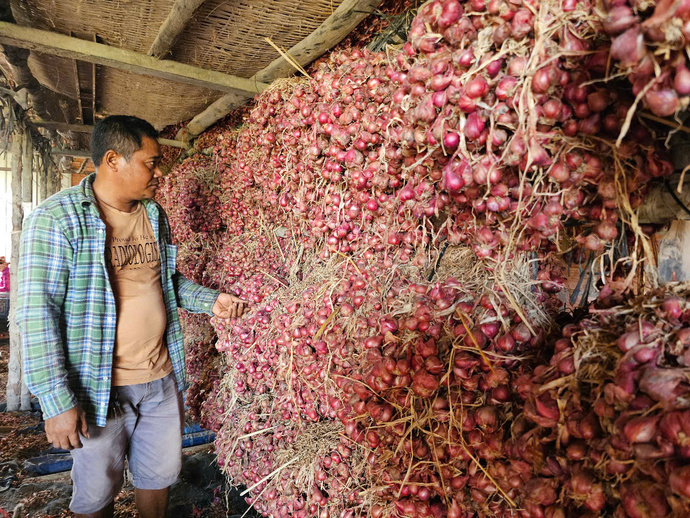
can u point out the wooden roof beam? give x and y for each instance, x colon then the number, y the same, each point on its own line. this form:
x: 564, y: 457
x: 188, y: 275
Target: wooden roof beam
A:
x: 180, y: 15
x: 135, y: 62
x: 80, y: 153
x: 331, y: 32
x: 63, y: 126
x: 85, y: 128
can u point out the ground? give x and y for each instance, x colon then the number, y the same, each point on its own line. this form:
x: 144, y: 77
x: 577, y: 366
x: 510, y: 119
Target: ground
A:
x: 201, y: 491
x: 4, y: 358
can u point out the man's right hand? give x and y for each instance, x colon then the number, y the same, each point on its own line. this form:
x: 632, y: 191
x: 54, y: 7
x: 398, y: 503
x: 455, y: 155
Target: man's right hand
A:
x: 63, y: 430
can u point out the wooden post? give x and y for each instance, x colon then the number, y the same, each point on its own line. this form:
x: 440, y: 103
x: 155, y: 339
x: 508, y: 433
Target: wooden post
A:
x: 55, y: 175
x: 15, y: 401
x: 50, y: 187
x: 42, y: 186
x: 27, y: 167
x: 674, y: 260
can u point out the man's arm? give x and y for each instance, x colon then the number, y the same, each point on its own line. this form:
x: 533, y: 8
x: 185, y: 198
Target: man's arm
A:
x: 44, y: 258
x: 198, y: 299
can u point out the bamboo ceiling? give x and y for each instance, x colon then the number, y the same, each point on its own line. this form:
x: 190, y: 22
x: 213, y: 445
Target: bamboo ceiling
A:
x: 223, y: 35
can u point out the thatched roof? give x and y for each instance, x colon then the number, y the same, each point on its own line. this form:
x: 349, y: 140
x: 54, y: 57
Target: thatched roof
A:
x: 181, y: 55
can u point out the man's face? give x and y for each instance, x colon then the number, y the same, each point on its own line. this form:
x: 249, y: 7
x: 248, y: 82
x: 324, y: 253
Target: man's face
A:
x: 139, y: 177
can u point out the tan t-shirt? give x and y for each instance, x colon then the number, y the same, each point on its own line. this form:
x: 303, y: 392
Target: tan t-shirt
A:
x: 133, y: 261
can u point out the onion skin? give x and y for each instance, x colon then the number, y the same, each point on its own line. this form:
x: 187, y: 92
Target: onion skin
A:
x: 643, y: 501
x: 679, y: 480
x: 628, y: 48
x: 681, y: 80
x: 619, y: 19
x: 663, y: 103
x: 641, y: 429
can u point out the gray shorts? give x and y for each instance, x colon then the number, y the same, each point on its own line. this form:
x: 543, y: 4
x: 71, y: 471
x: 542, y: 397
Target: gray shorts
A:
x: 147, y: 430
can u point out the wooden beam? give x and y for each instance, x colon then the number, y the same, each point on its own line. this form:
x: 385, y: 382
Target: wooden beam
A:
x: 180, y: 15
x: 211, y: 115
x: 173, y: 143
x: 85, y: 128
x: 128, y: 60
x: 64, y: 126
x: 93, y: 84
x: 83, y: 153
x: 331, y: 32
x: 71, y: 152
x: 75, y: 68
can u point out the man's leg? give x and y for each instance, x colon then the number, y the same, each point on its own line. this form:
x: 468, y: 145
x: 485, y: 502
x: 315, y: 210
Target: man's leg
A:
x: 151, y: 503
x: 155, y: 447
x: 98, y: 469
x: 106, y: 512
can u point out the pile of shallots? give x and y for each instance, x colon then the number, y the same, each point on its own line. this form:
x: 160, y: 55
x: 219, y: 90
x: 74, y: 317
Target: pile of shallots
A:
x: 612, y: 409
x: 648, y: 45
x: 399, y: 223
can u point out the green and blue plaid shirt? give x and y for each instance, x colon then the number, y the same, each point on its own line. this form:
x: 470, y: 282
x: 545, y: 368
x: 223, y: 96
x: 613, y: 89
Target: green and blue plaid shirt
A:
x: 66, y: 308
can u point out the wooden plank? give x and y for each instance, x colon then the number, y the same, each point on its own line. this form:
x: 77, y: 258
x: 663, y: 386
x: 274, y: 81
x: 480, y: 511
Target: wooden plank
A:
x: 660, y: 206
x: 180, y: 15
x: 128, y: 60
x: 331, y: 32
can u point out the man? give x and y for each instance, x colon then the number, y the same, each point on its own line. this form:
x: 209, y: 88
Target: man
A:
x: 101, y: 340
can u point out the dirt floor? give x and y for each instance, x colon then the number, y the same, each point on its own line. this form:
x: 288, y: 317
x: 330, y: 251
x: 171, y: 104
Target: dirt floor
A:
x: 201, y: 491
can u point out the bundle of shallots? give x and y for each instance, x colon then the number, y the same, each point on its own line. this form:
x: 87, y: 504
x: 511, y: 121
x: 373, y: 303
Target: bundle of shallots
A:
x: 612, y: 409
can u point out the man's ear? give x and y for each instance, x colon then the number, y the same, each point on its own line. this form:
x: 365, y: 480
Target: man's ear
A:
x: 111, y: 160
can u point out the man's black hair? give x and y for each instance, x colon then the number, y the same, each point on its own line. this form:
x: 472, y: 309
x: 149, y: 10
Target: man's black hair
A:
x: 121, y: 133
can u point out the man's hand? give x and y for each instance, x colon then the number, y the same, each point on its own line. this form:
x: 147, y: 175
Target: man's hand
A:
x: 229, y: 306
x: 63, y: 430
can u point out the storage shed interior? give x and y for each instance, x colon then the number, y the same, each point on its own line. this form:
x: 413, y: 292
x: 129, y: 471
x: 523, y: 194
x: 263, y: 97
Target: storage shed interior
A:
x: 459, y: 225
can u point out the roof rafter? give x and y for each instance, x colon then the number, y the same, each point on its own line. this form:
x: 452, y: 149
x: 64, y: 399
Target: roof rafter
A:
x: 178, y: 18
x: 86, y: 128
x: 136, y: 62
x: 331, y: 32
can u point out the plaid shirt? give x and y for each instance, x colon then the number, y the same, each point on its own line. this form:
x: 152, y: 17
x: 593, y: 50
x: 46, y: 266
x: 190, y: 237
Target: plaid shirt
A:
x: 66, y: 308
